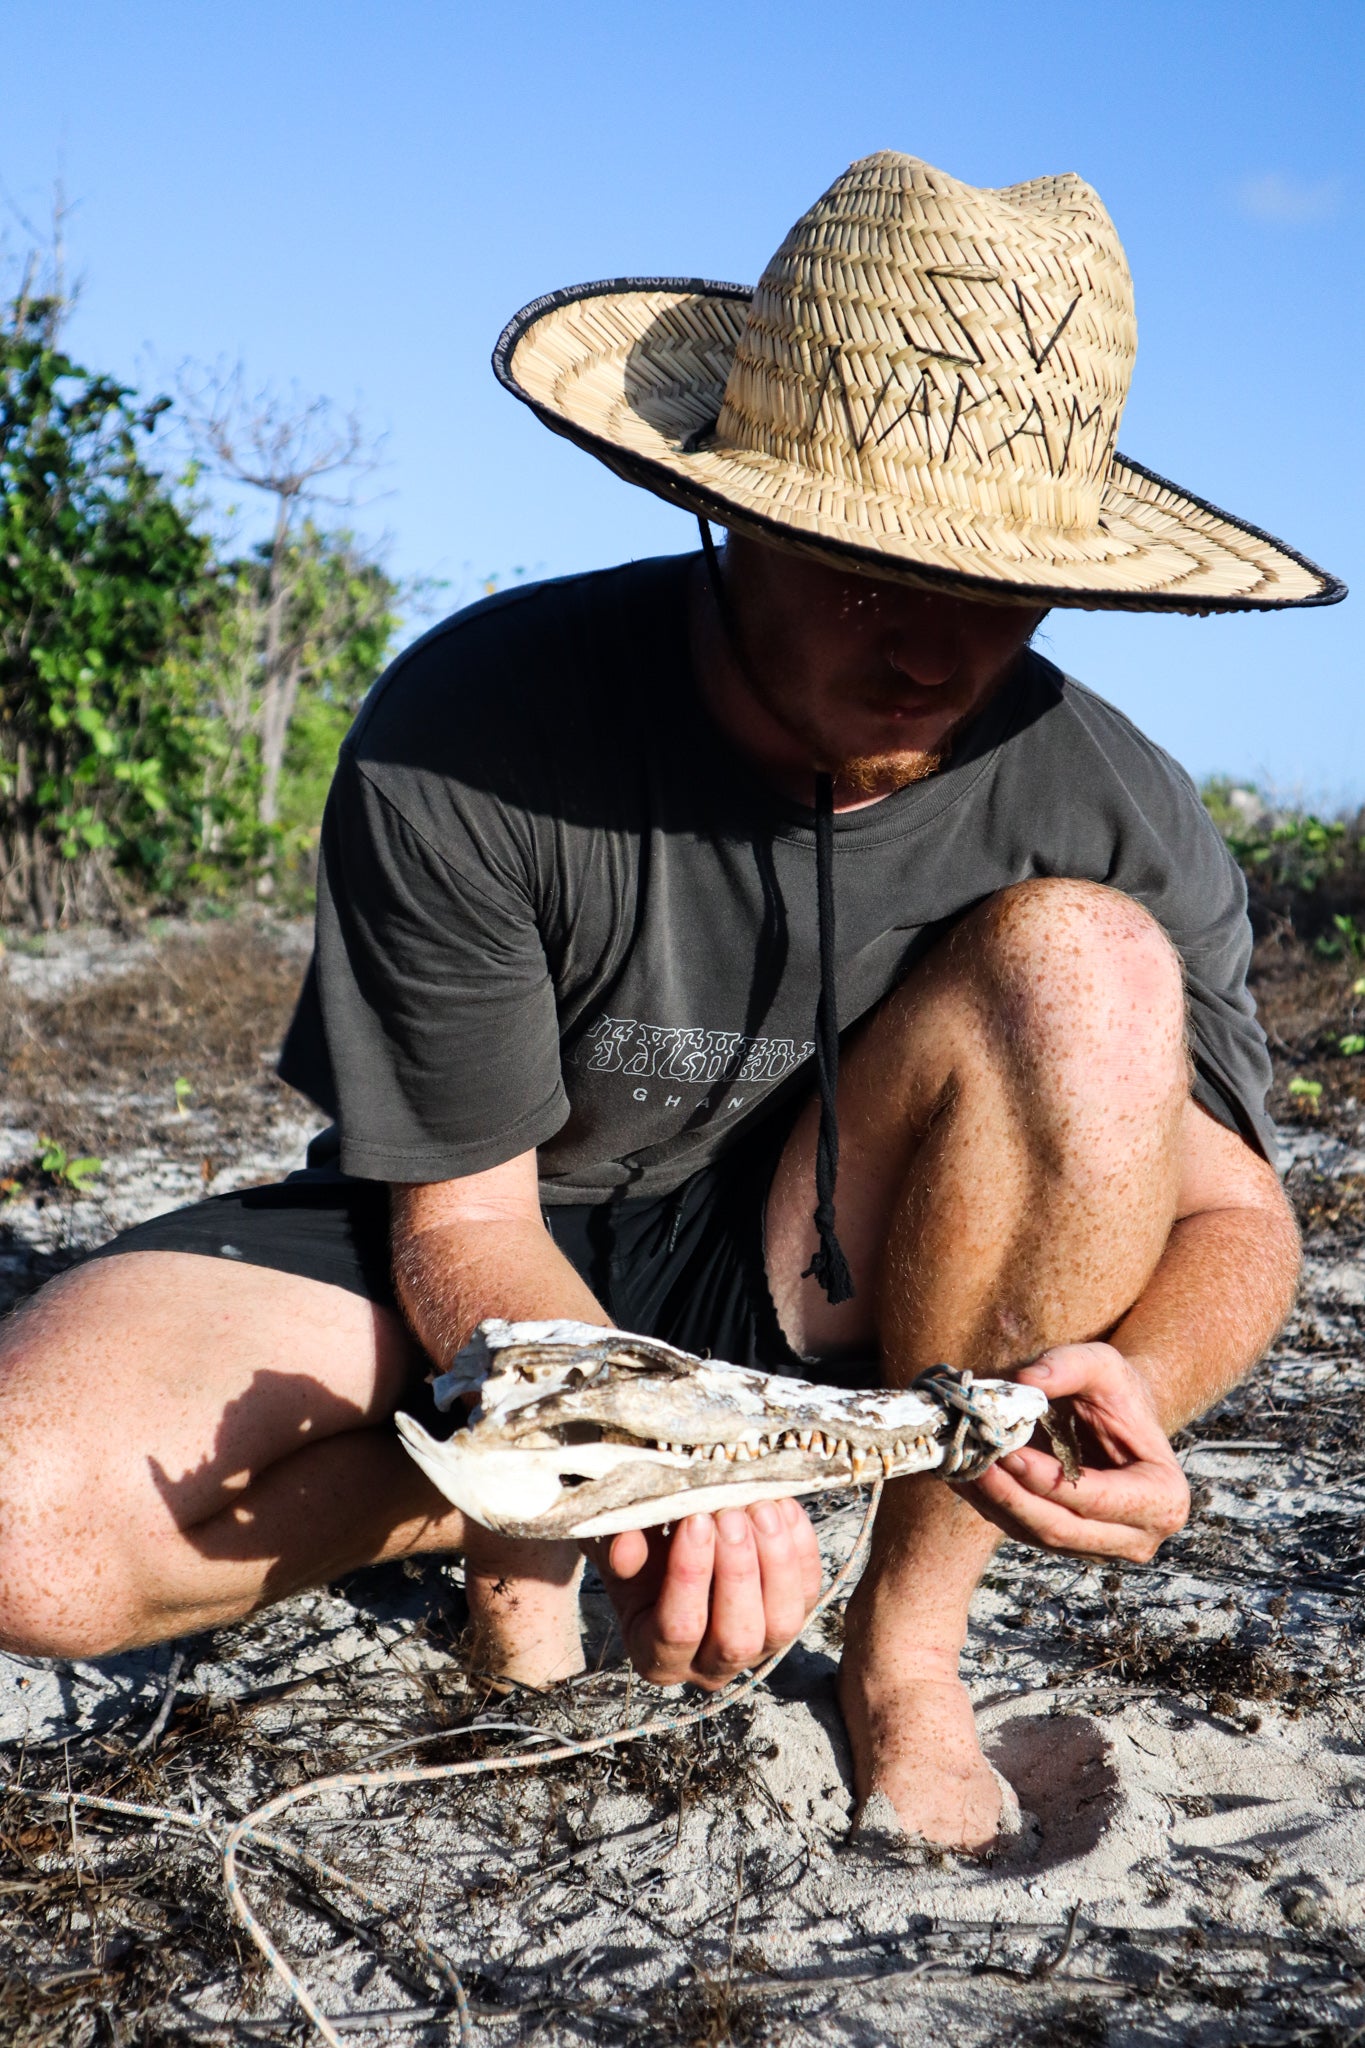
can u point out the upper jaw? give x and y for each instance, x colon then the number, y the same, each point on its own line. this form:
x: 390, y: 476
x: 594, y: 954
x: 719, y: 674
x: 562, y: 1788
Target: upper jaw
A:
x: 657, y: 1434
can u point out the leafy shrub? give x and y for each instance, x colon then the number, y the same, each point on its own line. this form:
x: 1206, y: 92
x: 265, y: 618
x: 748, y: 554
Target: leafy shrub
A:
x: 168, y: 720
x: 103, y: 582
x: 1304, y: 872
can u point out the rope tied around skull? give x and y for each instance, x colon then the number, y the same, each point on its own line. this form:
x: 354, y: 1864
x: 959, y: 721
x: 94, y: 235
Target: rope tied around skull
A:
x: 976, y: 1440
x: 580, y: 1430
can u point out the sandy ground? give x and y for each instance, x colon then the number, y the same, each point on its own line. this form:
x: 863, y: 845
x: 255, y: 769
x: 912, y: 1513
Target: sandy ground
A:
x: 1188, y: 1736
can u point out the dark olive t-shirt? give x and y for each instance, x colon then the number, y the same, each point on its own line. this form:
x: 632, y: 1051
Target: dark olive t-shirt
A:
x: 556, y: 908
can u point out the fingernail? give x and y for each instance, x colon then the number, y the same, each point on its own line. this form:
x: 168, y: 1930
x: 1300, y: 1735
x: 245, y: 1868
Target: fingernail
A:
x: 791, y: 1512
x: 1015, y: 1464
x: 693, y: 1530
x: 1038, y: 1370
x: 730, y: 1526
x: 767, y: 1518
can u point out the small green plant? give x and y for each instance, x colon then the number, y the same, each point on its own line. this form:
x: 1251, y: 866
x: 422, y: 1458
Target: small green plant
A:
x: 1352, y: 1043
x: 183, y: 1091
x: 55, y: 1164
x: 1279, y: 848
x: 1348, y: 944
x: 1309, y: 1090
x: 50, y: 1167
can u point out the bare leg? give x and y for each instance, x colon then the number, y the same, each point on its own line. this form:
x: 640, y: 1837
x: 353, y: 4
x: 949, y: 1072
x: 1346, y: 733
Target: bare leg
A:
x: 182, y: 1441
x: 1009, y: 1124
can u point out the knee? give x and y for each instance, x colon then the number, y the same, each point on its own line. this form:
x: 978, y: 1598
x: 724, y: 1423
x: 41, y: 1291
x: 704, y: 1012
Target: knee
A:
x: 1078, y: 979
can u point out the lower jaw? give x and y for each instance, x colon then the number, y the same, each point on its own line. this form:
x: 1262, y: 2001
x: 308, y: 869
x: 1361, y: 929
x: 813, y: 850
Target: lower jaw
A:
x: 590, y: 1519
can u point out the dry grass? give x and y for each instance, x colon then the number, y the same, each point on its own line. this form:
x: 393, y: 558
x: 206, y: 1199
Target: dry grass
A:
x: 210, y: 1006
x: 1307, y: 1006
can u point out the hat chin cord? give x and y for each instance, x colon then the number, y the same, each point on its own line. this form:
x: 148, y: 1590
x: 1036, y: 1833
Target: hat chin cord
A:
x: 829, y: 1264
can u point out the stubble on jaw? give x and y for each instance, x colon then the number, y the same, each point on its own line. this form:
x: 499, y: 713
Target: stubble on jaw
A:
x: 883, y: 774
x: 795, y: 707
x: 863, y: 777
x: 859, y: 777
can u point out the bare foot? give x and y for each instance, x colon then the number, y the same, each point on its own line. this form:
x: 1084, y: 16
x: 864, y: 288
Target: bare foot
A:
x: 914, y: 1739
x: 523, y: 1609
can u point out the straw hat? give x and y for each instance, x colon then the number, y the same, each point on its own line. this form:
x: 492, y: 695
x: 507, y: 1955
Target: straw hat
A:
x: 926, y: 385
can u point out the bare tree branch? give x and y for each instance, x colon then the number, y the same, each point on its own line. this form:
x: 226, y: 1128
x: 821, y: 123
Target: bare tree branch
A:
x: 42, y: 275
x: 288, y: 446
x: 283, y: 443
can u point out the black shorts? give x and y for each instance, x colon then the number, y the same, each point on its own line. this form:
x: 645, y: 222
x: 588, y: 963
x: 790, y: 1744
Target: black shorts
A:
x: 687, y: 1267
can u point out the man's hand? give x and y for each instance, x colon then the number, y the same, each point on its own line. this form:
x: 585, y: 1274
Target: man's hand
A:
x: 717, y: 1595
x: 1126, y: 1505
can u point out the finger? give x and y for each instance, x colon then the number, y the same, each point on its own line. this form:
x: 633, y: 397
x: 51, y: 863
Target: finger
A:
x: 779, y: 1569
x: 807, y: 1547
x: 1047, y: 1525
x: 1091, y: 1540
x: 1151, y: 1494
x: 1104, y: 1387
x: 629, y: 1595
x: 666, y: 1636
x: 735, y: 1636
x: 628, y: 1553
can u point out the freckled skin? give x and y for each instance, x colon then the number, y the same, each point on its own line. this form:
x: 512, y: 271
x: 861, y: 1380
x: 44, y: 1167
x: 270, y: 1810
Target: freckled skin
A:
x: 1019, y: 1159
x: 183, y: 1440
x: 1023, y: 1172
x: 1022, y: 1167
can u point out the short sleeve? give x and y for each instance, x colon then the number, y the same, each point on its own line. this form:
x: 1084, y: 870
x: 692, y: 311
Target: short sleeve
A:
x: 427, y: 1027
x: 1232, y: 1072
x: 1171, y: 856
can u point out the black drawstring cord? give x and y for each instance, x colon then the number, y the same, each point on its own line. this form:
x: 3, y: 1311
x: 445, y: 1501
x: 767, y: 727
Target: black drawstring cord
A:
x: 829, y: 1266
x: 718, y: 590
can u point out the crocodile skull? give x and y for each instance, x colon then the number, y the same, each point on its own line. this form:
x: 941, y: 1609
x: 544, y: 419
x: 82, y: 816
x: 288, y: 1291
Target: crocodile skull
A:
x: 581, y: 1431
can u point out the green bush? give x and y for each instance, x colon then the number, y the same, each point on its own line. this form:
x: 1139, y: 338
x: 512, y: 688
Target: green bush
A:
x: 1303, y: 870
x: 168, y: 720
x: 103, y: 583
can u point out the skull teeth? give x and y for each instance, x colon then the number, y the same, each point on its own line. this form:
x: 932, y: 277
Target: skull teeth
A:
x: 812, y: 1441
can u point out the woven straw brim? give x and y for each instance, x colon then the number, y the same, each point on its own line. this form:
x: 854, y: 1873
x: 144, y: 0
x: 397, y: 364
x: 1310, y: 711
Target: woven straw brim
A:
x: 634, y: 370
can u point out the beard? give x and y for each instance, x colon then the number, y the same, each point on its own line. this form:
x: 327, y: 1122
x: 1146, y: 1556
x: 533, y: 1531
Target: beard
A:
x: 873, y: 775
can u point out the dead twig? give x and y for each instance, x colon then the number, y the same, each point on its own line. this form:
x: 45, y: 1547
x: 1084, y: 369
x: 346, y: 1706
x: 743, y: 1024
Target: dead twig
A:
x: 153, y: 1735
x: 1044, y: 1972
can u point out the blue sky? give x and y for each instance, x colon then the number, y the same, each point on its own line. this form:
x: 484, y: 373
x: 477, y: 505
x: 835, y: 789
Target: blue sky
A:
x: 354, y: 197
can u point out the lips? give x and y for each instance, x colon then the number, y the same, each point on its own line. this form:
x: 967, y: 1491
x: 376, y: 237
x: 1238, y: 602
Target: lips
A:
x: 921, y: 700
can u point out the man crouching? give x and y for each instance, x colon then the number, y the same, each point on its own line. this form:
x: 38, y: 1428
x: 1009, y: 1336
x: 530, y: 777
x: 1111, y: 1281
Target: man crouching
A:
x: 767, y: 950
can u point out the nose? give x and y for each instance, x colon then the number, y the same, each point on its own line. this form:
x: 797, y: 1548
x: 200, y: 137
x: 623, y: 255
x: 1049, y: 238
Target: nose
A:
x: 926, y: 642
